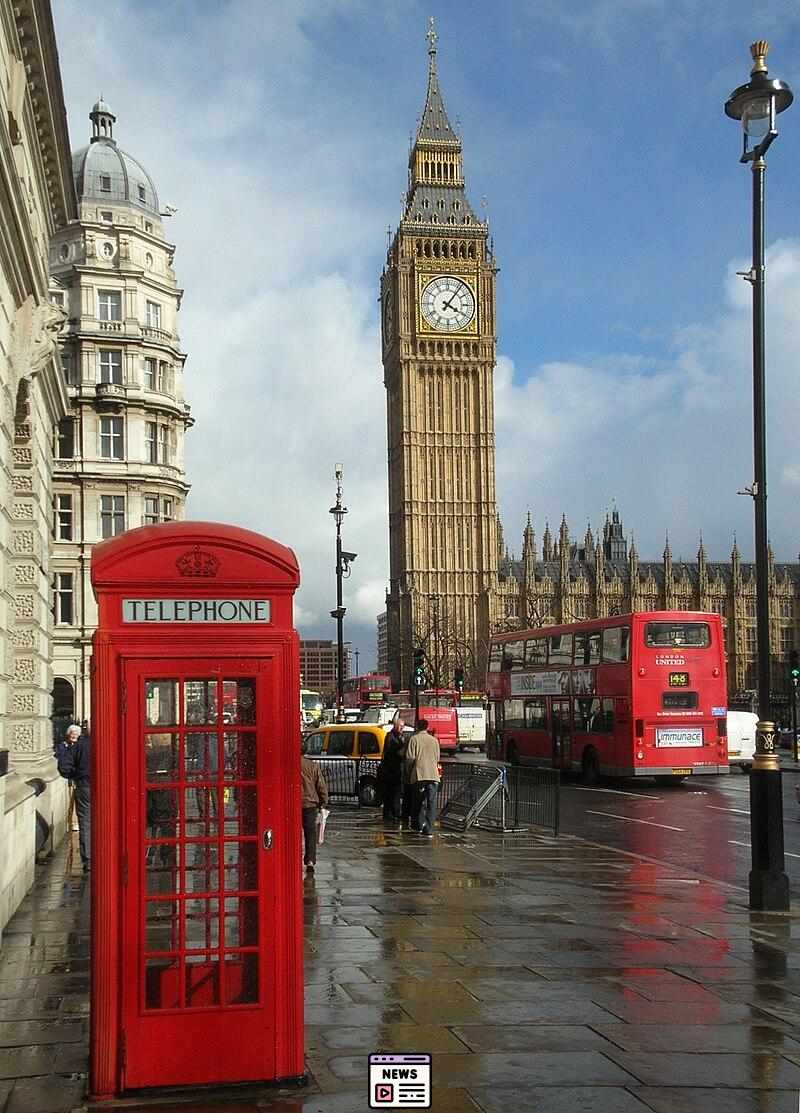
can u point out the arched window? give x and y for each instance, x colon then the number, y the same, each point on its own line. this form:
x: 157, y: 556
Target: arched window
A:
x: 62, y: 711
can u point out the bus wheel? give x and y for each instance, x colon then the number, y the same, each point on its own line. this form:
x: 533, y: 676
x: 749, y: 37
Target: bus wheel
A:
x: 667, y: 779
x: 512, y: 754
x: 590, y: 766
x: 368, y: 793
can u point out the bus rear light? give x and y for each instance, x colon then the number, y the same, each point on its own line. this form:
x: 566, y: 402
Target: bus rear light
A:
x: 640, y: 755
x: 640, y: 729
x: 642, y: 671
x: 715, y: 671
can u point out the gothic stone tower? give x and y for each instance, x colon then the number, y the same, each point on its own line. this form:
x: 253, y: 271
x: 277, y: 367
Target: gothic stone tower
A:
x: 438, y: 313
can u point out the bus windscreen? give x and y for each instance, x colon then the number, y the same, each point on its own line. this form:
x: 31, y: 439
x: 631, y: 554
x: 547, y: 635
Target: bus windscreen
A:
x: 677, y: 635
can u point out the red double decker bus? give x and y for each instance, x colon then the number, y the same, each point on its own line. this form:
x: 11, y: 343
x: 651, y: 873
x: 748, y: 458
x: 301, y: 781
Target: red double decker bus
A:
x: 636, y: 695
x: 365, y: 691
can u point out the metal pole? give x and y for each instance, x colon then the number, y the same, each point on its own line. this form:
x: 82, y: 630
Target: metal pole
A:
x: 435, y: 601
x: 768, y: 883
x: 339, y: 627
x: 357, y: 655
x: 793, y: 697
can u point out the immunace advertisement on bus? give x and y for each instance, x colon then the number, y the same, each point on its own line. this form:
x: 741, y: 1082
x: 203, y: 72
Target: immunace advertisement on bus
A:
x: 555, y: 682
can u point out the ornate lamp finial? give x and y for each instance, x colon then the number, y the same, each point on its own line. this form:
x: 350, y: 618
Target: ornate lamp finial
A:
x: 758, y: 52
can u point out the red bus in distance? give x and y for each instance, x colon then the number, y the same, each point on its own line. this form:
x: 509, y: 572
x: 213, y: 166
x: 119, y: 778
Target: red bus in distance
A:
x: 635, y: 695
x: 369, y: 690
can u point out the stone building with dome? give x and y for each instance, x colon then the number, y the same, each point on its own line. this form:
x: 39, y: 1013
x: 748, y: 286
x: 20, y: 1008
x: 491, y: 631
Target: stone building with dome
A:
x: 602, y: 574
x: 120, y: 449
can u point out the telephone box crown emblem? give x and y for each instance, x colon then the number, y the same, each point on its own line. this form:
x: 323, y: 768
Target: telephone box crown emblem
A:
x: 197, y: 563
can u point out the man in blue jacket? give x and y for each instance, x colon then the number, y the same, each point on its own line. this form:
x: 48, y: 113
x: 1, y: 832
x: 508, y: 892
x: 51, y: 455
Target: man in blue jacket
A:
x: 73, y: 763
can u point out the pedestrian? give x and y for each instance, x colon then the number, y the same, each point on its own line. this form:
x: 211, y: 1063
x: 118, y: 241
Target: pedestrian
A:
x: 390, y: 771
x: 422, y: 760
x: 73, y: 763
x: 314, y: 795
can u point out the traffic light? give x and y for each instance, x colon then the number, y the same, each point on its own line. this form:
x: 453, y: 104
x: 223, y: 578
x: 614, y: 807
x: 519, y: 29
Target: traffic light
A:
x: 459, y: 678
x: 794, y: 668
x: 419, y: 668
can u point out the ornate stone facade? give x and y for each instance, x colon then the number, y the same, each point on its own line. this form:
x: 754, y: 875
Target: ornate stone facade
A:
x: 38, y: 201
x: 569, y: 581
x: 120, y: 451
x: 438, y: 316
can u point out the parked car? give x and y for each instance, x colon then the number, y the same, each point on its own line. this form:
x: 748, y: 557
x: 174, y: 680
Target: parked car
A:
x: 348, y: 740
x: 741, y: 738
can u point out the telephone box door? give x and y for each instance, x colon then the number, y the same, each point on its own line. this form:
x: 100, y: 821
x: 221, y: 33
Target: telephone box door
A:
x: 199, y: 977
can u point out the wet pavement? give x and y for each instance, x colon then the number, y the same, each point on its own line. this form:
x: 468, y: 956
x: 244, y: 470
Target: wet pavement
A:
x: 541, y: 974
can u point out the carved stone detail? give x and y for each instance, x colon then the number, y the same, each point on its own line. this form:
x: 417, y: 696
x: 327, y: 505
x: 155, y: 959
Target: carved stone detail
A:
x: 25, y: 575
x: 24, y: 541
x: 24, y: 605
x: 23, y: 457
x: 24, y: 670
x: 22, y: 484
x: 22, y: 637
x: 23, y: 703
x: 22, y: 737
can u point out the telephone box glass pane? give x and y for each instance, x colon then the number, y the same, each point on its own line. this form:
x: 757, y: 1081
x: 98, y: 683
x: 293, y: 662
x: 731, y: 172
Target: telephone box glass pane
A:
x: 161, y: 757
x: 161, y: 925
x: 161, y: 703
x: 161, y: 813
x: 201, y: 924
x: 200, y: 702
x: 241, y: 922
x: 241, y: 979
x: 241, y: 866
x: 240, y: 755
x: 201, y: 868
x: 201, y: 812
x: 161, y: 866
x: 239, y: 701
x: 162, y: 983
x: 202, y: 981
x: 240, y: 811
x: 200, y: 756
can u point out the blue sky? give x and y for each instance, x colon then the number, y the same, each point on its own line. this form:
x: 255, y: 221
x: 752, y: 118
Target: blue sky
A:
x: 620, y: 213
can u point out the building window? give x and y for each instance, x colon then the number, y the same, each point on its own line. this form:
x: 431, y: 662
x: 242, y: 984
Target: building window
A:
x: 153, y: 314
x: 110, y: 366
x: 142, y: 194
x: 151, y: 442
x: 62, y: 517
x: 165, y: 378
x: 112, y: 438
x: 787, y: 642
x: 786, y: 608
x: 56, y: 298
x: 65, y: 444
x: 148, y: 226
x: 105, y: 183
x: 68, y: 367
x: 107, y: 217
x: 150, y: 366
x: 151, y: 510
x: 63, y: 599
x: 163, y: 444
x: 112, y: 515
x: 109, y: 305
x: 167, y: 510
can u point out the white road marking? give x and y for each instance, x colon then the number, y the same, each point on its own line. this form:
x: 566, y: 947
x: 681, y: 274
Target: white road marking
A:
x: 628, y: 819
x: 786, y: 853
x: 735, y: 811
x: 616, y: 792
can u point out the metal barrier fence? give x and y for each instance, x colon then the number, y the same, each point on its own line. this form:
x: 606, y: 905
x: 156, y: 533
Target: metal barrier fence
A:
x: 351, y: 778
x: 499, y: 797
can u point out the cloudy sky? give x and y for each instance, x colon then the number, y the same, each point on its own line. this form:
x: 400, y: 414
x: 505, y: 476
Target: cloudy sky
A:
x: 595, y: 133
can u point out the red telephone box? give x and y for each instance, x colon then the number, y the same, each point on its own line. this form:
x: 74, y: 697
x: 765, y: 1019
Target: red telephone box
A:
x: 197, y: 962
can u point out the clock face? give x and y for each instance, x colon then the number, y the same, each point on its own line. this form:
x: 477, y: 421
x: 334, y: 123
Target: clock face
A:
x: 448, y: 304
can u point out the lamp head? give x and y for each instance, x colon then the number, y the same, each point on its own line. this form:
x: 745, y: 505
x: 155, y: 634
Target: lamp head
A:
x: 758, y: 103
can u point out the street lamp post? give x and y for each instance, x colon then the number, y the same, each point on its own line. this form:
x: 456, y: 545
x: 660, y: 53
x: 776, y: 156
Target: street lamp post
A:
x: 757, y: 105
x: 343, y: 562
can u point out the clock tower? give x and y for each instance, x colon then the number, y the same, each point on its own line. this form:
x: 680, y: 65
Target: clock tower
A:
x: 439, y: 339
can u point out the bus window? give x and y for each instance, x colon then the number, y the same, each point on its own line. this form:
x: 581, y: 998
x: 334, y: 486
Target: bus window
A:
x: 536, y: 714
x: 495, y: 657
x: 683, y: 701
x: 561, y: 649
x: 587, y: 647
x: 674, y: 635
x: 536, y: 651
x: 513, y: 655
x: 594, y: 716
x: 514, y: 714
x: 615, y: 644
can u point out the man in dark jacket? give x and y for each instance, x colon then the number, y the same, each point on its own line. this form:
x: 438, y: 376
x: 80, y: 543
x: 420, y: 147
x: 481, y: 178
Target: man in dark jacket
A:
x: 314, y: 795
x: 73, y: 763
x: 390, y: 772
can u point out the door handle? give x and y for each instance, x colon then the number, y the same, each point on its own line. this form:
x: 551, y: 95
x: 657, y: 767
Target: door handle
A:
x: 266, y: 838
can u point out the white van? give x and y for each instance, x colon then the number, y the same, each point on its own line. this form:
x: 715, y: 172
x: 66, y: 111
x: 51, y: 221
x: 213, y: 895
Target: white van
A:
x: 741, y: 738
x: 471, y: 728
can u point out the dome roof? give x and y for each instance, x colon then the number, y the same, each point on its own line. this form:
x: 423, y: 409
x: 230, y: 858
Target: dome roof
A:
x: 103, y: 172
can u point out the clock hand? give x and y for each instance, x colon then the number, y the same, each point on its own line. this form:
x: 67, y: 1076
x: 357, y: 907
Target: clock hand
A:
x: 448, y: 304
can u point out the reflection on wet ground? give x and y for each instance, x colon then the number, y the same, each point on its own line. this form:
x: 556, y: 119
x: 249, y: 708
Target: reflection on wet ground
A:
x: 541, y: 974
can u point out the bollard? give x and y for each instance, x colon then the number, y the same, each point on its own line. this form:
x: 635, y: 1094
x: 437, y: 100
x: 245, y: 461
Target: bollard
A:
x: 768, y: 883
